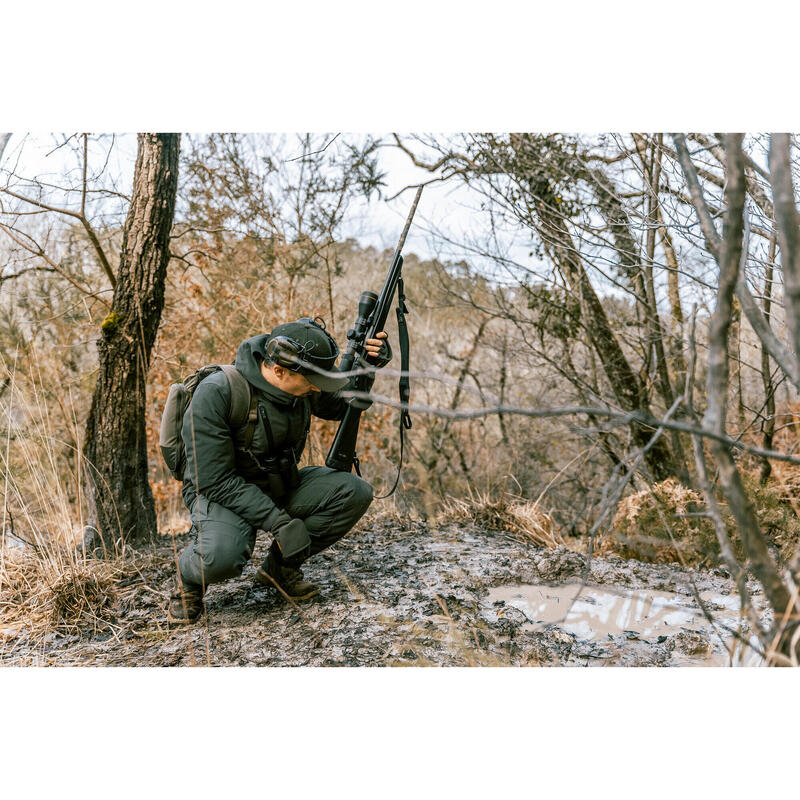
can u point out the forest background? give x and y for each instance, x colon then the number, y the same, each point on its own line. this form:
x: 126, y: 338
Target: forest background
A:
x: 585, y: 345
x: 568, y: 101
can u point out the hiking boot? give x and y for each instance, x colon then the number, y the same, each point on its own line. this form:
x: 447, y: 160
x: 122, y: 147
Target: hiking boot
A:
x: 185, y: 603
x: 290, y: 580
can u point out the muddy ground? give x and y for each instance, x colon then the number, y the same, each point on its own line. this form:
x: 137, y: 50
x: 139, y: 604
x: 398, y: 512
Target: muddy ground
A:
x: 393, y: 593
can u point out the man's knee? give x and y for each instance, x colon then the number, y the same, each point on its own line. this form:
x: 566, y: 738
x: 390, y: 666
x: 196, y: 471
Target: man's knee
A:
x: 223, y: 556
x: 223, y: 545
x: 360, y: 493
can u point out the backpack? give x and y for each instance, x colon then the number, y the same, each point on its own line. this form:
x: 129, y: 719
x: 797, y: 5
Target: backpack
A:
x: 243, y: 411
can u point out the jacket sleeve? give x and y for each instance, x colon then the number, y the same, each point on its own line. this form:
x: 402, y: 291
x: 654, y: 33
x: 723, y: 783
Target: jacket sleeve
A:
x: 211, y: 460
x: 328, y: 405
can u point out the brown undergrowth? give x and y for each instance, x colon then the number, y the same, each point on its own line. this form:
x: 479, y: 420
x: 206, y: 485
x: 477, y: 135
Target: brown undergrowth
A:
x: 524, y: 520
x: 666, y: 523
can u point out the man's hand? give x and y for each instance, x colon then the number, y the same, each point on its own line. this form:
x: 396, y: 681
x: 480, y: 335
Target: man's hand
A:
x: 379, y: 353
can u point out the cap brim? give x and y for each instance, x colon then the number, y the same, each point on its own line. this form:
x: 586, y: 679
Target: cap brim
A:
x: 327, y: 384
x: 324, y: 382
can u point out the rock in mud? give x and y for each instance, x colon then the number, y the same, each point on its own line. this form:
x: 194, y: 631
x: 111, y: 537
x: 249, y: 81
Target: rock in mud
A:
x: 691, y: 643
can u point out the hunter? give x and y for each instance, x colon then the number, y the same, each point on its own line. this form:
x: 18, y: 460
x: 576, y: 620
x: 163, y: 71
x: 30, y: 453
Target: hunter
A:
x: 239, y: 480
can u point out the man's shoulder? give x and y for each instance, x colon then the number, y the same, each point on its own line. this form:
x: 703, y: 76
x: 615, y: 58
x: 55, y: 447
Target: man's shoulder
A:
x: 217, y: 379
x: 213, y: 392
x: 227, y: 393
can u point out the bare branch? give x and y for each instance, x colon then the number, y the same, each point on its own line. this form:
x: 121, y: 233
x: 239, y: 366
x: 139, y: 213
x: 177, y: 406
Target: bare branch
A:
x: 34, y: 248
x: 315, y: 152
x: 619, y: 419
x: 696, y: 191
x: 781, y: 354
x: 788, y: 223
x: 730, y: 254
x: 85, y: 167
x: 82, y: 219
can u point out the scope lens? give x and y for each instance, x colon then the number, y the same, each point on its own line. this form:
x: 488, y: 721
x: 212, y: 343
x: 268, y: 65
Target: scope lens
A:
x: 366, y: 303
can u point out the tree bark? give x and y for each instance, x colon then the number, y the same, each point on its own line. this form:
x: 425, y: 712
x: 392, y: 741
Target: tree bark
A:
x: 4, y: 137
x: 625, y: 244
x: 121, y: 506
x: 788, y: 224
x: 768, y: 425
x: 729, y: 257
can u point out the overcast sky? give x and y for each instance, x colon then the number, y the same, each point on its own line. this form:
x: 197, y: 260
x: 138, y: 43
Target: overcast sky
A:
x: 379, y: 223
x: 449, y: 207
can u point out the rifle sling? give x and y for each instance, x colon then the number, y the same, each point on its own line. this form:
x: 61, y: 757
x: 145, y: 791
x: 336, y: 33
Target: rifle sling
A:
x: 404, y: 384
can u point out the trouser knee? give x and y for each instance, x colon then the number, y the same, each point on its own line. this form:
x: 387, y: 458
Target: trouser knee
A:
x: 222, y: 547
x: 360, y: 494
x: 223, y: 558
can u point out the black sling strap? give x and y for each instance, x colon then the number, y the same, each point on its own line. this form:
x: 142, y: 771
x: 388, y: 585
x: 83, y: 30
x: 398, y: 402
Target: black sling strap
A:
x: 404, y: 384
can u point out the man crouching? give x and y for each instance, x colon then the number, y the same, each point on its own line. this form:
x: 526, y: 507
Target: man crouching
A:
x: 238, y: 481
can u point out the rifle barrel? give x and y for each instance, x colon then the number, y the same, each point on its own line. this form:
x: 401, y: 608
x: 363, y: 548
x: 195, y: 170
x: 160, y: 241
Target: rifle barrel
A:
x: 408, y: 223
x: 342, y: 452
x: 383, y: 305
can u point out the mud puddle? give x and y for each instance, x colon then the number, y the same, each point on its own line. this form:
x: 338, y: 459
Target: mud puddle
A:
x: 594, y: 614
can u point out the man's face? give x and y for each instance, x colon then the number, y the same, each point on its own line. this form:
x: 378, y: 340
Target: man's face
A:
x: 290, y: 382
x: 298, y: 385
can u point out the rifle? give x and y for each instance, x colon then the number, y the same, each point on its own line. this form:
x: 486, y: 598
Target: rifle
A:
x: 373, y: 310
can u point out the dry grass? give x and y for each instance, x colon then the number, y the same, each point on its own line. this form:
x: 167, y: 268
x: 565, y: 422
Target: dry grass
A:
x: 523, y: 520
x: 47, y: 585
x: 56, y: 591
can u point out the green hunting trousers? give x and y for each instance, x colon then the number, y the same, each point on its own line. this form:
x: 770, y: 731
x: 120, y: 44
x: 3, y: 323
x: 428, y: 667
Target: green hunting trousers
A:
x: 329, y: 503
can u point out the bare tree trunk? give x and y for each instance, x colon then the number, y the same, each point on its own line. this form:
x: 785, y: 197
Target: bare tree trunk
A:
x: 329, y: 289
x: 503, y: 378
x: 729, y: 256
x: 676, y: 360
x: 4, y: 137
x: 788, y: 222
x: 768, y: 427
x: 736, y: 348
x: 787, y: 360
x: 120, y: 500
x: 652, y: 172
x: 627, y: 250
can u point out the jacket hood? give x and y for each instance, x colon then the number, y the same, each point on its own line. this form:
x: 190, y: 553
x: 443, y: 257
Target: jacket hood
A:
x: 248, y: 361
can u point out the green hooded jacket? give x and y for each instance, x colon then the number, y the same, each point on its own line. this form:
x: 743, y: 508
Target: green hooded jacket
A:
x: 227, y: 475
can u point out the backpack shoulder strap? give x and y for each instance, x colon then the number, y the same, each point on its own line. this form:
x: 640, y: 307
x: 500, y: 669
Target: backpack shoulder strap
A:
x: 241, y: 396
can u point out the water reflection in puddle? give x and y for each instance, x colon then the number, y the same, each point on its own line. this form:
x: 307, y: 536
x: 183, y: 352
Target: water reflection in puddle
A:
x: 592, y: 614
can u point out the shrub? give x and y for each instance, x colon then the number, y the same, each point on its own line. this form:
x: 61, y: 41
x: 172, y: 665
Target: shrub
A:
x: 655, y: 525
x: 650, y: 526
x: 519, y: 518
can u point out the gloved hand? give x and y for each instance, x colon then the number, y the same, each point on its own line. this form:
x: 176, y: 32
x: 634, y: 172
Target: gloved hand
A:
x: 379, y: 352
x: 293, y: 539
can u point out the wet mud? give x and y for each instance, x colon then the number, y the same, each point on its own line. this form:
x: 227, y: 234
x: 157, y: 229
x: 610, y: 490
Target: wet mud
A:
x: 410, y: 593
